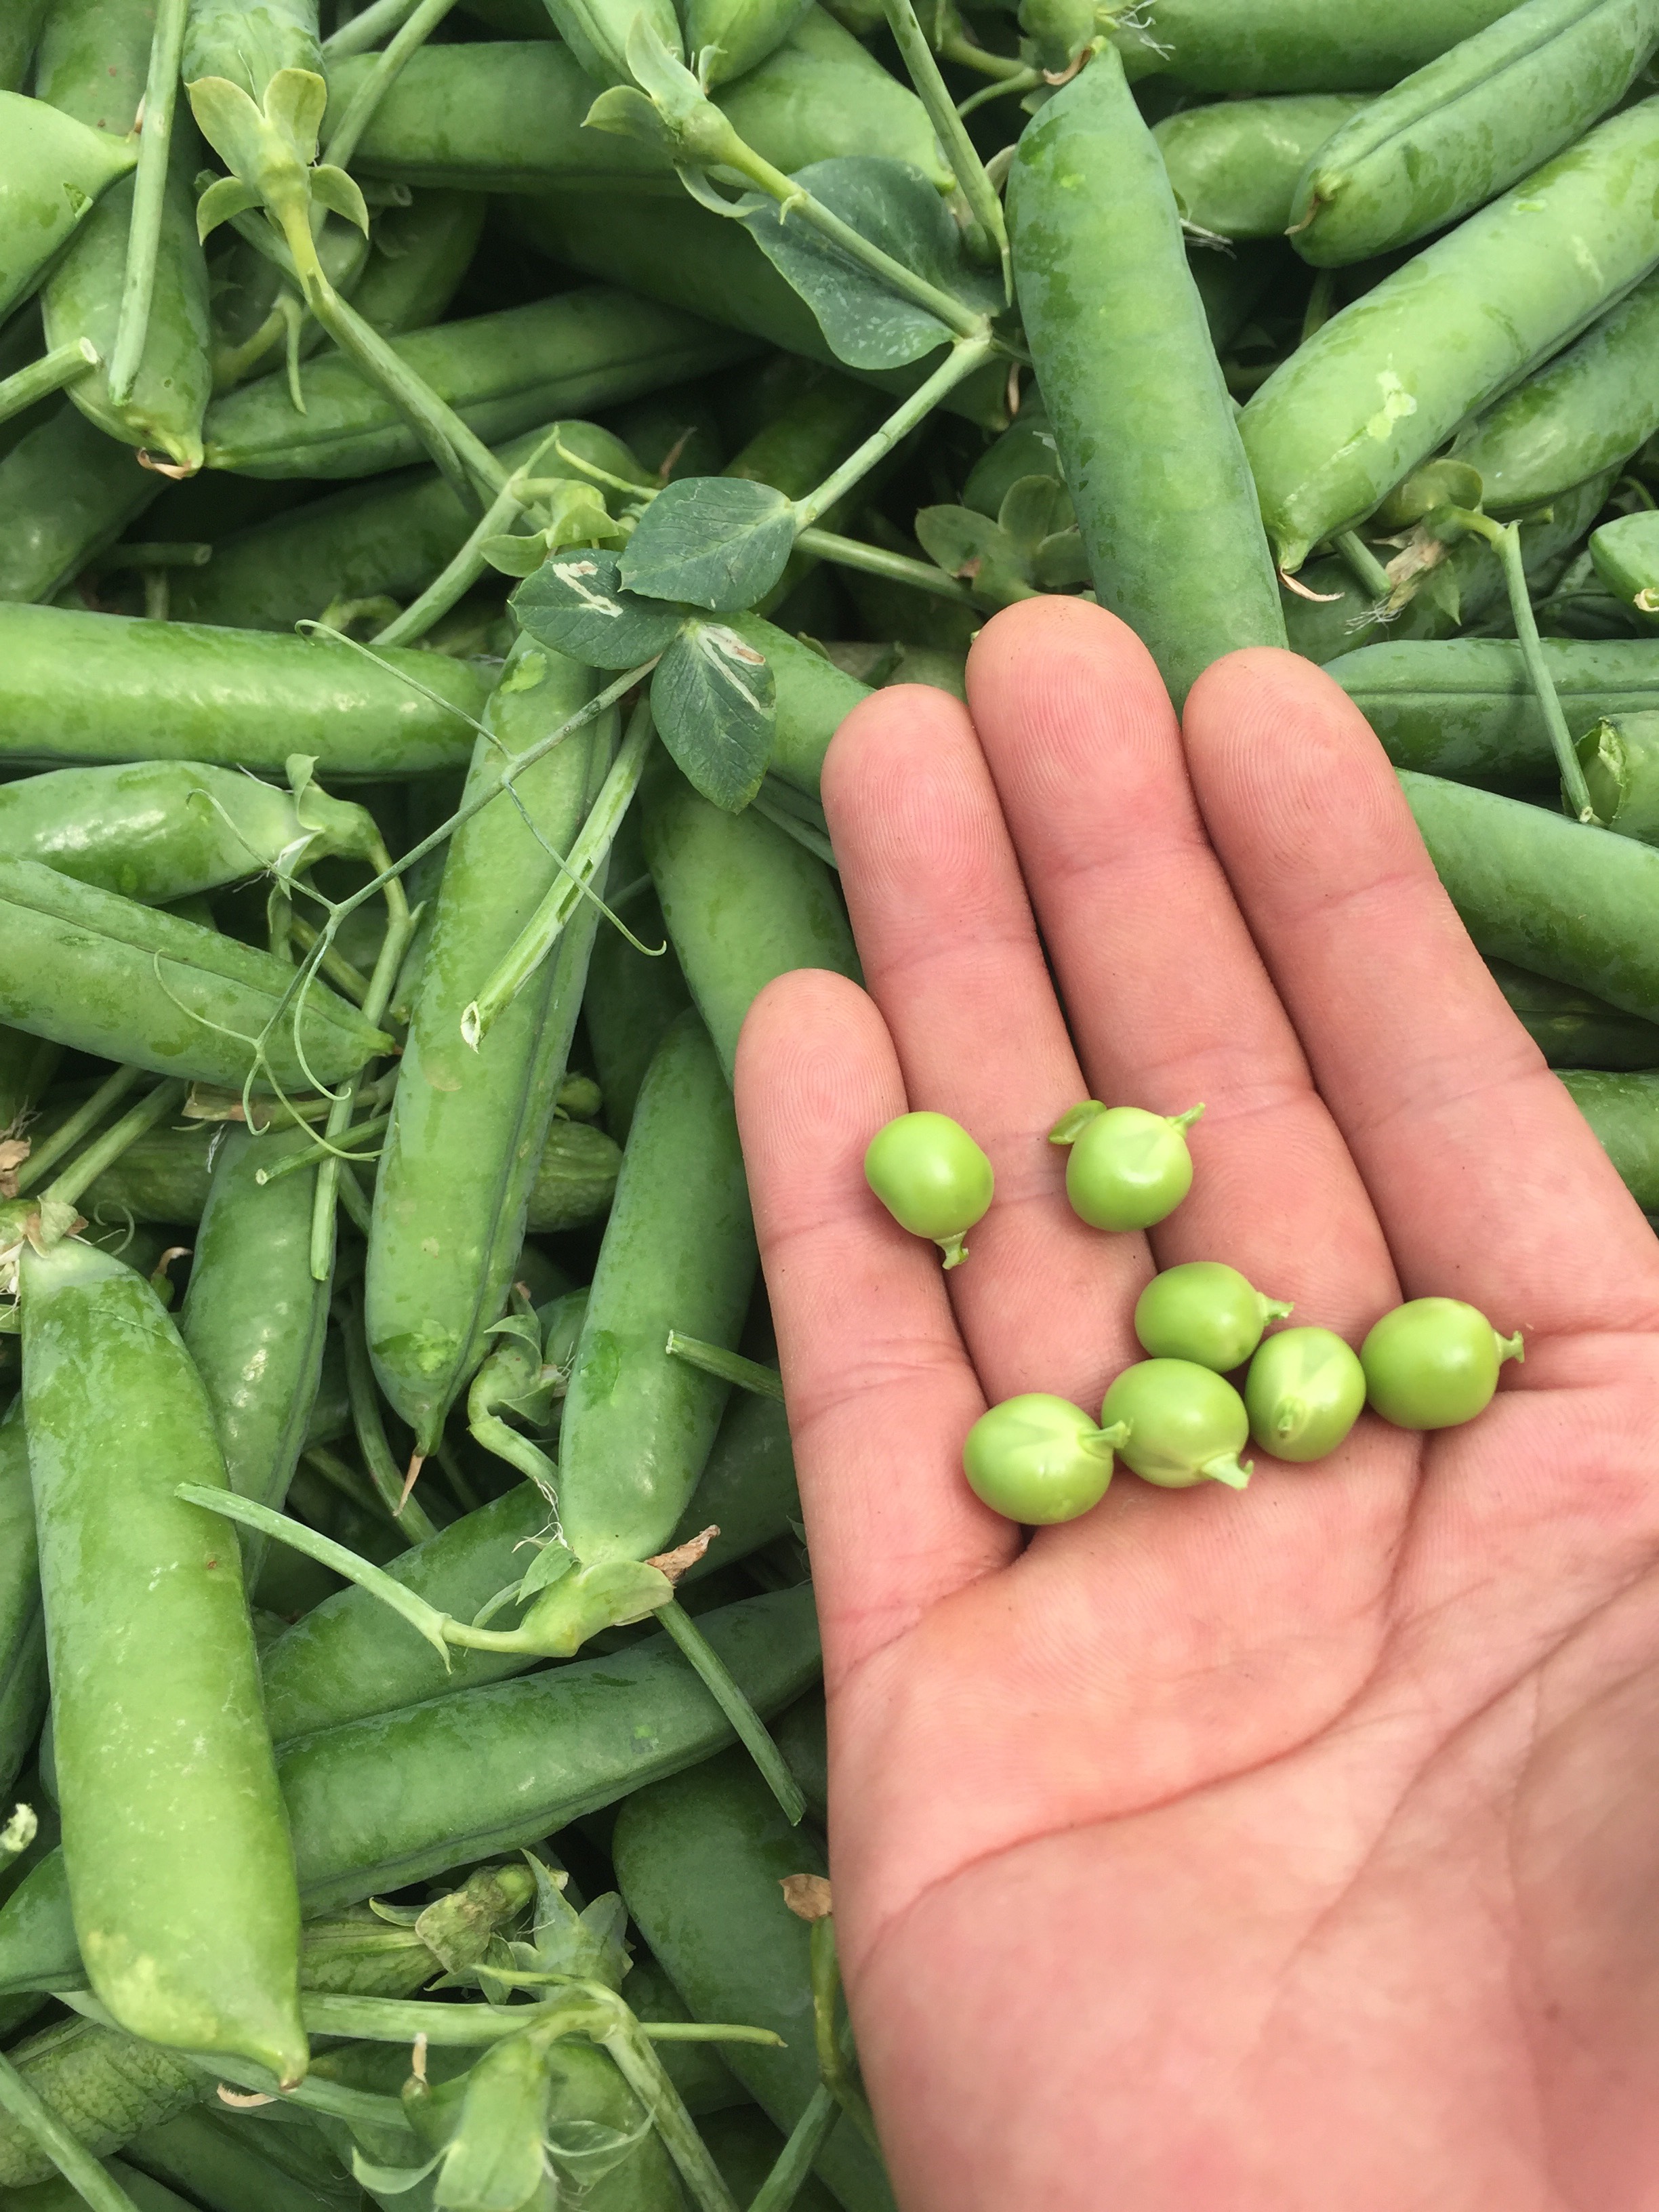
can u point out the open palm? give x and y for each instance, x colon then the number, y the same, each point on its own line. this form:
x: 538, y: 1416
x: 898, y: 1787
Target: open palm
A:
x: 1215, y: 1852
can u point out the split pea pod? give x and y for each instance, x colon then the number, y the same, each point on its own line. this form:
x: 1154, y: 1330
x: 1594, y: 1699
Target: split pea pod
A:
x: 590, y: 347
x: 468, y: 1125
x: 67, y: 491
x: 1466, y: 125
x: 22, y: 1632
x: 1385, y: 382
x: 163, y: 1760
x: 1134, y: 392
x: 1296, y: 45
x: 89, y: 687
x: 52, y: 172
x: 1234, y: 164
x: 146, y: 988
x: 1623, y: 1111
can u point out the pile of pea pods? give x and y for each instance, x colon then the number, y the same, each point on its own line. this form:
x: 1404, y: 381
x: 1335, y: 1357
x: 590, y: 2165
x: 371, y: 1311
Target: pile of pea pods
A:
x: 461, y: 460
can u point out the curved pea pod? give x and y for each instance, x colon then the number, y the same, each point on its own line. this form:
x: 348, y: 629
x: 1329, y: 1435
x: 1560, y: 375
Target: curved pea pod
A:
x: 52, y: 170
x: 1466, y: 709
x: 248, y: 41
x: 680, y: 1242
x: 1468, y: 124
x: 1234, y: 165
x: 1555, y: 897
x: 1588, y: 409
x: 103, y: 2085
x: 1387, y: 381
x: 1296, y: 46
x: 743, y: 901
x: 420, y: 254
x: 86, y: 687
x: 1626, y: 554
x: 590, y: 347
x: 575, y: 1179
x: 699, y: 1860
x: 1623, y: 1112
x: 468, y: 1125
x: 726, y: 37
x: 67, y: 491
x: 1571, y: 1029
x: 163, y: 1760
x: 22, y: 1632
x: 1141, y: 414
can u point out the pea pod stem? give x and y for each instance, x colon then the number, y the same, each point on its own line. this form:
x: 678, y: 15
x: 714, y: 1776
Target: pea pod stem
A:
x: 751, y: 1731
x: 466, y: 565
x: 962, y: 360
x: 895, y: 567
x: 1367, y: 568
x: 86, y: 1118
x: 365, y: 1133
x: 377, y: 21
x: 959, y: 148
x: 63, y: 366
x: 399, y: 928
x: 577, y: 871
x: 67, y: 2153
x: 469, y: 2026
x: 646, y: 2075
x: 730, y: 1366
x: 108, y: 1148
x: 794, y: 2163
x: 149, y: 190
x: 379, y: 79
x: 834, y: 2068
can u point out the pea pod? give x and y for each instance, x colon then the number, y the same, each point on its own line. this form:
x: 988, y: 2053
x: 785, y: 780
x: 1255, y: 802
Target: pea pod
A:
x: 22, y: 1633
x: 699, y: 1860
x: 168, y: 994
x: 1622, y: 1110
x: 105, y: 2086
x: 1234, y: 165
x: 1140, y: 412
x: 52, y: 170
x: 67, y: 491
x: 1626, y: 554
x: 734, y: 35
x: 1296, y: 46
x: 630, y: 1002
x: 86, y: 687
x: 743, y: 901
x: 468, y: 1125
x: 420, y: 255
x: 154, y: 1678
x: 57, y: 2194
x: 27, y: 1065
x: 1387, y: 381
x: 575, y: 1179
x: 1468, y: 124
x: 585, y: 348
x: 1573, y: 1029
x: 249, y: 40
x: 225, y: 2166
x: 813, y: 697
x: 20, y: 27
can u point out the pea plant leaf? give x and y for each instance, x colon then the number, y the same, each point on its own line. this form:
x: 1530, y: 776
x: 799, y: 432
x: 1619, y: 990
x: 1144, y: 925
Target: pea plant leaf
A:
x: 893, y: 205
x: 968, y: 545
x: 712, y: 699
x: 719, y: 542
x: 577, y: 604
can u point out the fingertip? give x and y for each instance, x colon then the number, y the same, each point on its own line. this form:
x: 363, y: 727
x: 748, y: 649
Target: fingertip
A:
x: 880, y: 736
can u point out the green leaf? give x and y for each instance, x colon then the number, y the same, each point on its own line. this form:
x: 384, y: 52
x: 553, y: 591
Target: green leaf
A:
x: 575, y: 603
x: 1033, y: 508
x: 295, y: 101
x: 390, y: 2180
x: 712, y: 699
x: 339, y: 192
x: 587, y: 2150
x: 719, y: 542
x: 1060, y: 563
x: 230, y: 122
x: 965, y: 544
x: 895, y: 207
x: 514, y: 556
x: 228, y: 197
x: 627, y: 113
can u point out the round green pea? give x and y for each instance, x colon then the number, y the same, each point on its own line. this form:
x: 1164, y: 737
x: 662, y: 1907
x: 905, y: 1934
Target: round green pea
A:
x: 1127, y: 1168
x: 1204, y: 1311
x: 1039, y: 1459
x: 931, y: 1177
x: 1433, y: 1363
x: 1186, y: 1424
x: 1303, y: 1392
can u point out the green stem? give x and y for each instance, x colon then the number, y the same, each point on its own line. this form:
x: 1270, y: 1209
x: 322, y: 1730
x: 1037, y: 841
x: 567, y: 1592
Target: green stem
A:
x: 896, y: 567
x: 185, y: 555
x: 959, y: 148
x: 365, y: 1133
x: 148, y: 189
x: 64, y: 364
x: 1366, y: 568
x: 729, y: 1366
x: 834, y: 2069
x: 958, y: 365
x: 67, y: 1187
x: 376, y: 23
x: 408, y: 1513
x: 67, y: 2153
x: 379, y: 79
x: 751, y: 1731
x: 1321, y: 300
x: 458, y: 577
x: 339, y: 1475
x: 1027, y: 80
x: 335, y: 966
x: 399, y: 927
x: 790, y: 2175
x: 812, y: 840
x: 86, y: 1118
x: 646, y: 2075
x: 576, y: 873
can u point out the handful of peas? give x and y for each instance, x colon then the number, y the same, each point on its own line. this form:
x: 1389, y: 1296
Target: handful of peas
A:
x: 461, y: 460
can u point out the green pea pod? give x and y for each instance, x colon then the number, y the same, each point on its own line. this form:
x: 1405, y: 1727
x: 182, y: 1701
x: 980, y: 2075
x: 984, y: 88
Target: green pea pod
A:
x: 630, y: 1002
x: 1466, y: 709
x: 163, y: 1176
x: 225, y: 2166
x: 700, y: 1860
x: 22, y: 1632
x: 421, y: 253
x: 1588, y: 409
x: 1141, y: 414
x: 1571, y: 1029
x: 469, y: 1125
x: 813, y: 698
x: 58, y: 2196
x: 726, y: 37
x: 597, y: 31
x: 19, y: 27
x: 575, y: 1179
x: 1234, y: 164
x: 1461, y: 129
x: 1626, y: 554
x: 678, y: 1253
x: 27, y: 1065
x: 1563, y: 899
x: 52, y: 170
x: 163, y: 1756
x: 743, y: 901
x: 1383, y: 384
x: 502, y: 373
x: 158, y: 831
x: 103, y: 2085
x: 85, y: 687
x: 67, y: 491
x: 249, y: 40
x: 1623, y: 1111
x: 1231, y: 286
x: 1296, y: 45
x: 388, y: 537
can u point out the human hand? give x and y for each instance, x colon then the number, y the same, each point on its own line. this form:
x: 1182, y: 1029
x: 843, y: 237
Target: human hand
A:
x: 1214, y: 1851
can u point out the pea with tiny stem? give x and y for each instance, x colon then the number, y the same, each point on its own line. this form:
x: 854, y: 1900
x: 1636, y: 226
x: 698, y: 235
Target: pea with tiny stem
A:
x: 1303, y: 1392
x: 1128, y: 1168
x: 1040, y: 1459
x: 1204, y: 1311
x: 931, y: 1177
x: 1186, y: 1424
x: 1433, y: 1363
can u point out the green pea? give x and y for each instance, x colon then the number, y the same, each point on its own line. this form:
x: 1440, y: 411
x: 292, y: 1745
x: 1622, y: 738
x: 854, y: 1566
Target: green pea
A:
x: 1186, y: 1426
x: 1040, y: 1459
x: 931, y: 1177
x: 1433, y: 1363
x: 1303, y: 1392
x: 1128, y: 1168
x: 1204, y: 1311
